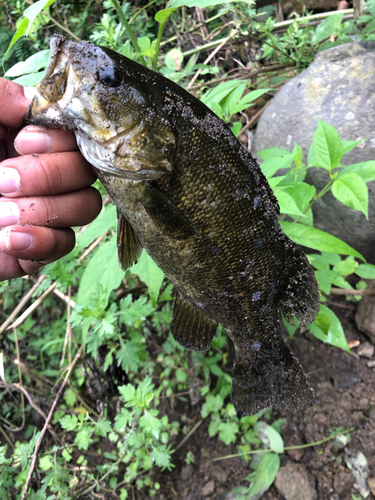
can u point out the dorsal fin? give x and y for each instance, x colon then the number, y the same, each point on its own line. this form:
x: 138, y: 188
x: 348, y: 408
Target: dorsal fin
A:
x: 166, y: 215
x: 129, y: 247
x: 191, y: 327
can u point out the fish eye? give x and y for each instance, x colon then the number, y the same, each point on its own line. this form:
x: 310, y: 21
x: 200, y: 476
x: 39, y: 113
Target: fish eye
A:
x: 109, y: 77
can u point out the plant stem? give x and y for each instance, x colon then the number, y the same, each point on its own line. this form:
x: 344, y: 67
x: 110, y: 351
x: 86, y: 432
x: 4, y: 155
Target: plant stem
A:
x: 128, y: 29
x: 157, y: 48
x: 297, y: 447
x: 325, y: 190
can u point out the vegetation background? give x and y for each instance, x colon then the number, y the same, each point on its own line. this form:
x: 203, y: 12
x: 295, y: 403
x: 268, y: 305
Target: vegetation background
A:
x: 97, y: 398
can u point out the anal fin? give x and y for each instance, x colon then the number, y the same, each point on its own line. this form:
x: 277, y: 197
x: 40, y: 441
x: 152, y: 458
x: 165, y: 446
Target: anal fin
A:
x: 129, y: 247
x: 166, y: 215
x: 191, y: 327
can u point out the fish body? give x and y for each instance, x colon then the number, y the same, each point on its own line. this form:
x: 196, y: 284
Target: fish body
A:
x: 191, y: 195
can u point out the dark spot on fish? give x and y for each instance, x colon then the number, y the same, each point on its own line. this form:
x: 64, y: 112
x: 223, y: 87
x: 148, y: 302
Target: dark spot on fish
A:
x: 109, y: 77
x: 259, y: 243
x: 256, y: 295
x: 256, y: 201
x: 256, y: 346
x: 215, y: 249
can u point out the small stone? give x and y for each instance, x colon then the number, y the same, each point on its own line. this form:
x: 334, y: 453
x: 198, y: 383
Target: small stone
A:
x: 345, y: 378
x: 371, y: 364
x: 293, y: 482
x: 208, y: 488
x: 219, y: 474
x: 187, y: 472
x: 366, y: 350
x: 371, y: 484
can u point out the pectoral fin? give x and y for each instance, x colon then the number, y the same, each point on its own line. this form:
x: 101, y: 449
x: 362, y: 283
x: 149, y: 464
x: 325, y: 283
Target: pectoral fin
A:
x: 166, y: 215
x: 191, y: 328
x: 129, y: 247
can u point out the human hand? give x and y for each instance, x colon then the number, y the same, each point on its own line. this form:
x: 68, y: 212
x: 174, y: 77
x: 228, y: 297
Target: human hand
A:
x: 44, y: 191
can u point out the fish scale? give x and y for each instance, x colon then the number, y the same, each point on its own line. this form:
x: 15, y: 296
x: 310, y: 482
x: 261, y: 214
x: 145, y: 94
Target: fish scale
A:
x: 191, y: 195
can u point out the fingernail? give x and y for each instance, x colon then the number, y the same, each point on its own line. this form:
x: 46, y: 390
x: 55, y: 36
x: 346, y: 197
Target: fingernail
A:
x: 10, y: 180
x: 9, y: 214
x: 32, y: 139
x: 14, y: 241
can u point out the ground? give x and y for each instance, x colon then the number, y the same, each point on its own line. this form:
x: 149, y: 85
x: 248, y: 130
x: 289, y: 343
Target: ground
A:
x: 345, y: 396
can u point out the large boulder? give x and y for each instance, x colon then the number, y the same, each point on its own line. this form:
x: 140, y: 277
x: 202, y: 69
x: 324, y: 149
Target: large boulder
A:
x: 339, y: 88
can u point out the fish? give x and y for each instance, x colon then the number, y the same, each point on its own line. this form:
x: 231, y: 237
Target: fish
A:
x: 195, y: 199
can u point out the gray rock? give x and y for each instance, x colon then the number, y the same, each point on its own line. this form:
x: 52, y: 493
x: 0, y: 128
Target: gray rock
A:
x: 339, y: 88
x: 345, y: 378
x: 366, y: 350
x: 208, y: 488
x: 293, y: 483
x: 219, y: 474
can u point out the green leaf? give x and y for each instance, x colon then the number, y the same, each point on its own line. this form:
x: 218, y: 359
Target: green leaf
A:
x: 297, y: 155
x: 201, y: 3
x: 264, y: 475
x: 246, y: 101
x: 366, y: 271
x: 268, y: 153
x: 161, y: 457
x: 127, y: 356
x: 83, y: 437
x: 349, y: 145
x: 236, y: 127
x: 173, y: 59
x: 21, y: 31
x: 150, y: 274
x: 318, y: 240
x: 323, y: 321
x: 31, y: 65
x: 329, y: 26
x: 365, y: 169
x: 213, y: 404
x: 327, y: 146
x: 138, y: 310
x: 288, y: 205
x: 69, y: 422
x: 164, y: 14
x: 346, y: 267
x: 270, y: 166
x: 30, y: 80
x: 218, y: 93
x: 352, y: 191
x: 335, y: 334
x: 106, y: 220
x: 149, y: 423
x: 325, y: 279
x: 103, y: 269
x: 228, y: 431
x: 270, y: 437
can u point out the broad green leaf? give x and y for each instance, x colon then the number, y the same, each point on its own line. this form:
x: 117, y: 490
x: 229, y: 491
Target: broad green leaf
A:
x: 327, y: 146
x: 236, y: 127
x: 297, y: 155
x: 272, y: 165
x: 291, y: 328
x: 218, y: 93
x: 270, y: 437
x: 335, y: 335
x: 323, y: 322
x: 150, y: 274
x: 102, y: 224
x: 352, y: 191
x: 163, y: 15
x: 31, y: 65
x: 229, y: 104
x: 288, y: 205
x: 246, y: 101
x: 349, y: 145
x: 318, y: 261
x: 325, y: 279
x: 228, y: 432
x: 102, y: 269
x: 268, y: 153
x: 262, y: 478
x: 328, y: 27
x: 346, y: 267
x: 161, y: 456
x: 331, y: 257
x: 127, y: 355
x: 366, y: 170
x: 366, y: 271
x: 318, y: 240
x: 301, y: 192
x: 30, y: 80
x: 341, y: 282
x: 21, y: 31
x: 31, y: 12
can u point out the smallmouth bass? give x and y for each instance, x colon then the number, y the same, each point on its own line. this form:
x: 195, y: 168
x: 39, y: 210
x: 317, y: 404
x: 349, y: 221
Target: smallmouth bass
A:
x: 191, y: 195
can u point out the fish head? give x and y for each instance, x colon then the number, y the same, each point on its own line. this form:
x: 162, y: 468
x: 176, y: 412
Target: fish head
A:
x: 89, y: 90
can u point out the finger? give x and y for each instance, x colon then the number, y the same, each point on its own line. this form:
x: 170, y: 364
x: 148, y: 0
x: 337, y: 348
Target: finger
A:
x: 37, y: 140
x: 36, y: 243
x: 13, y: 103
x: 10, y: 267
x: 60, y: 211
x: 45, y: 174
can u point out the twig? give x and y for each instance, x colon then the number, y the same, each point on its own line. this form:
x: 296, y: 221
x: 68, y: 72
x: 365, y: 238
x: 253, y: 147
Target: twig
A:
x: 23, y: 301
x: 286, y: 448
x: 187, y: 436
x: 94, y: 244
x: 210, y: 57
x: 33, y: 306
x: 20, y: 388
x: 349, y: 291
x: 47, y: 422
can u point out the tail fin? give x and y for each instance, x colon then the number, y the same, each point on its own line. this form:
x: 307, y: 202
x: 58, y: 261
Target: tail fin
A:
x: 269, y: 375
x: 301, y: 292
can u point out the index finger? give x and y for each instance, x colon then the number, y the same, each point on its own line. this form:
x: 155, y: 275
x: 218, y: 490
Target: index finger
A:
x: 13, y: 104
